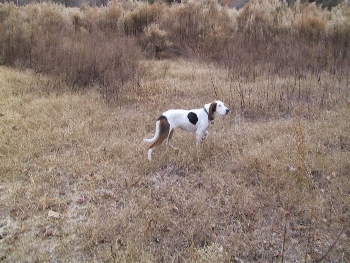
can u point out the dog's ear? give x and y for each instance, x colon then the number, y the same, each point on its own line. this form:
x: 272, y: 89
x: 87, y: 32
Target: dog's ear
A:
x: 212, y: 109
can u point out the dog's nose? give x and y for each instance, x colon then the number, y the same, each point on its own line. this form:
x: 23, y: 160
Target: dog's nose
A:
x: 227, y: 110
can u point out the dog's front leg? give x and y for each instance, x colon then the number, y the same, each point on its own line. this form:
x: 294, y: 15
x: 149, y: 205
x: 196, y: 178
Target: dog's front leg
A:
x: 199, y: 136
x: 205, y: 136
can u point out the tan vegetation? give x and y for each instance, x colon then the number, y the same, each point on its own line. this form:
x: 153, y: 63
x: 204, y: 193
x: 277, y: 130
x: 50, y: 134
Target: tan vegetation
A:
x: 249, y: 186
x: 271, y: 183
x: 85, y: 46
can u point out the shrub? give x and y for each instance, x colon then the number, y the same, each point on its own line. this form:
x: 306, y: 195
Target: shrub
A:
x: 134, y: 21
x: 81, y: 46
x: 87, y: 44
x: 310, y: 23
x: 154, y: 41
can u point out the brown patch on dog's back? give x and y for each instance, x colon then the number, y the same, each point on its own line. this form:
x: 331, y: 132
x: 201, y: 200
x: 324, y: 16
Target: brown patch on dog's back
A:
x: 164, y: 128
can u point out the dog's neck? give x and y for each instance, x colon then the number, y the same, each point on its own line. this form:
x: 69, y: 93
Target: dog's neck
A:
x: 207, y: 112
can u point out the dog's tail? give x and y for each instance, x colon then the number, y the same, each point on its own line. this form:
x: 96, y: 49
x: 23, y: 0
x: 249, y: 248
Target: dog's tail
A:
x: 156, y: 135
x: 162, y: 132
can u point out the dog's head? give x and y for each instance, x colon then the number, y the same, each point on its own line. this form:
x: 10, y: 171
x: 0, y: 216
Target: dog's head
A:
x: 217, y: 108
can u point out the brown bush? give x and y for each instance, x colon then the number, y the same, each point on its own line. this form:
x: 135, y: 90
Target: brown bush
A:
x: 82, y: 47
x: 264, y: 36
x: 155, y: 41
x: 133, y: 22
x: 311, y: 23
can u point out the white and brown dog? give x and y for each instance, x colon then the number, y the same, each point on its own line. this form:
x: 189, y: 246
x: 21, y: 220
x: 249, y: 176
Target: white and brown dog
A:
x: 196, y: 120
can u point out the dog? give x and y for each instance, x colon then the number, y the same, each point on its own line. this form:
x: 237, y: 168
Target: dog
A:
x: 196, y: 120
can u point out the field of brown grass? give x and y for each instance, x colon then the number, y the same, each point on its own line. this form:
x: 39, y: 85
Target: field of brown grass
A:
x: 271, y: 183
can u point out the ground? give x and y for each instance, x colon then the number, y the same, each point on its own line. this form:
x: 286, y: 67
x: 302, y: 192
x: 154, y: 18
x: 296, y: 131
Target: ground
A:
x: 271, y: 183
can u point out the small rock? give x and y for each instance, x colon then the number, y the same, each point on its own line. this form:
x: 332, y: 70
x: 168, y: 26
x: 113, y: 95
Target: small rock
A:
x: 53, y: 214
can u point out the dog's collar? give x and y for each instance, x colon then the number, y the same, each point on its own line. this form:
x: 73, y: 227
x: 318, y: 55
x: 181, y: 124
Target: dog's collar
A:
x: 205, y: 110
x: 212, y: 122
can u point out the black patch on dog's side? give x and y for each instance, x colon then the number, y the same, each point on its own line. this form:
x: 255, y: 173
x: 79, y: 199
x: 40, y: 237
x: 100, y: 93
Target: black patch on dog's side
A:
x: 192, y: 117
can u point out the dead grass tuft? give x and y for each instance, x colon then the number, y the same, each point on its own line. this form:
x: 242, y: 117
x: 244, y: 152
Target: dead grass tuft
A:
x: 301, y: 165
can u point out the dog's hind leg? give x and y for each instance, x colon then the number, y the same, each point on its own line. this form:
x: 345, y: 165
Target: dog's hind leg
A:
x: 163, y: 134
x: 170, y: 140
x: 150, y: 153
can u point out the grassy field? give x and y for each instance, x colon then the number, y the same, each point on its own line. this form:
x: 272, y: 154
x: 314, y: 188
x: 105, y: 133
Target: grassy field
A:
x: 271, y: 183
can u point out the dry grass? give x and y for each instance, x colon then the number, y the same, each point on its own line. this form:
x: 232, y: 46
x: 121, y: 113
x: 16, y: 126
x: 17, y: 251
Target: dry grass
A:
x: 77, y: 187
